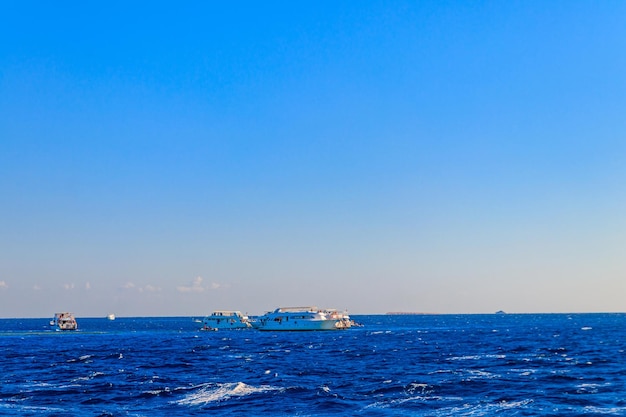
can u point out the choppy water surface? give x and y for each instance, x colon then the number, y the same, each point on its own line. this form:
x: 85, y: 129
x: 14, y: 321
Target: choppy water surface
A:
x: 466, y: 365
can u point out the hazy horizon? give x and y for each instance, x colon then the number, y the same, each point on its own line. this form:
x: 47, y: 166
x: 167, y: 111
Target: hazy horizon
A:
x: 389, y: 313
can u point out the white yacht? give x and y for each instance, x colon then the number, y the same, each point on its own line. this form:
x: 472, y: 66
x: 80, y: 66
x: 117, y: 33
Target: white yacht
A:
x: 223, y: 319
x: 64, y: 321
x: 297, y: 318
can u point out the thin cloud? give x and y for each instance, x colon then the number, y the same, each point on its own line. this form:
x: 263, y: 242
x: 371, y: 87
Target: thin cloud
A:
x: 149, y: 288
x: 197, y: 286
x: 37, y: 287
x: 3, y: 285
x: 146, y: 288
x: 68, y: 286
x: 87, y: 286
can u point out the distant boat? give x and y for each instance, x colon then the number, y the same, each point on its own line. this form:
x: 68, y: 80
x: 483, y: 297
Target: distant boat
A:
x: 297, y: 318
x: 64, y: 321
x: 111, y: 316
x: 226, y: 319
x: 500, y: 312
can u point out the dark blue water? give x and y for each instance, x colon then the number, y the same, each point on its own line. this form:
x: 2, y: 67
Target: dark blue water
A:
x: 467, y: 365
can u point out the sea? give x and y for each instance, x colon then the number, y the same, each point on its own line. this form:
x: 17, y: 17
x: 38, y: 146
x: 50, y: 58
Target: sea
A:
x: 393, y: 365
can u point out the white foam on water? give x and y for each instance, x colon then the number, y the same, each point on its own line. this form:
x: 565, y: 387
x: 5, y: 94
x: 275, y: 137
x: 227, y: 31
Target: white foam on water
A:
x: 523, y: 371
x: 474, y: 410
x: 588, y: 388
x: 475, y: 357
x: 210, y: 393
x: 476, y: 374
x: 87, y: 378
x: 31, y: 409
x: 158, y: 391
x: 495, y: 356
x: 38, y: 384
x: 615, y: 411
x: 83, y: 358
x: 400, y: 401
x: 464, y: 358
x: 441, y: 371
x: 417, y: 388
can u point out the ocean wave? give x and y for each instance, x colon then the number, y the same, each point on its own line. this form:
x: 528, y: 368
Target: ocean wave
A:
x: 592, y: 388
x: 476, y: 357
x: 488, y: 409
x: 616, y: 411
x: 211, y: 393
x: 31, y: 410
x: 84, y: 358
x: 424, y: 399
x: 90, y: 377
x: 155, y: 393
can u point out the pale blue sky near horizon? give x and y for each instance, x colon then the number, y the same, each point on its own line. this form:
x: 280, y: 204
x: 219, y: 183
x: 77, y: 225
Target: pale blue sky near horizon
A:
x: 443, y: 157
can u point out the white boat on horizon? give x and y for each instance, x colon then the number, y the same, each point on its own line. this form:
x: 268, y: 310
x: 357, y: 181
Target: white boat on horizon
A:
x: 226, y: 319
x: 64, y: 321
x: 111, y: 316
x: 297, y: 319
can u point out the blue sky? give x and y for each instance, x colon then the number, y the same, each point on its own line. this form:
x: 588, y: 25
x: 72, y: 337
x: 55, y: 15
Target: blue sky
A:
x: 447, y: 157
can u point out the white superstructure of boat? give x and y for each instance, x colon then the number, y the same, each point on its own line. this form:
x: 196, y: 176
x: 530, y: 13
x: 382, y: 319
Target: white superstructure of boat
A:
x: 343, y: 319
x: 224, y: 319
x: 111, y: 316
x: 297, y: 318
x: 64, y: 321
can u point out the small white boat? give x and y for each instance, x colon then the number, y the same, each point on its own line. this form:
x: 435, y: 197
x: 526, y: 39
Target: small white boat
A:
x: 64, y: 321
x: 111, y: 317
x: 226, y: 319
x: 297, y: 319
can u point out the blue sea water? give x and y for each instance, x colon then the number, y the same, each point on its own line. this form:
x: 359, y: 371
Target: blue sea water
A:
x: 439, y: 365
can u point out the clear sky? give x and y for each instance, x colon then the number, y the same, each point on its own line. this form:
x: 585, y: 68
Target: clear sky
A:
x: 445, y: 157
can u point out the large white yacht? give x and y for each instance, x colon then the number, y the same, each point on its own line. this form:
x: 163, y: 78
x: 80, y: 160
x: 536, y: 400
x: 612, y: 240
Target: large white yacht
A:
x: 64, y: 321
x: 297, y: 318
x: 224, y: 319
